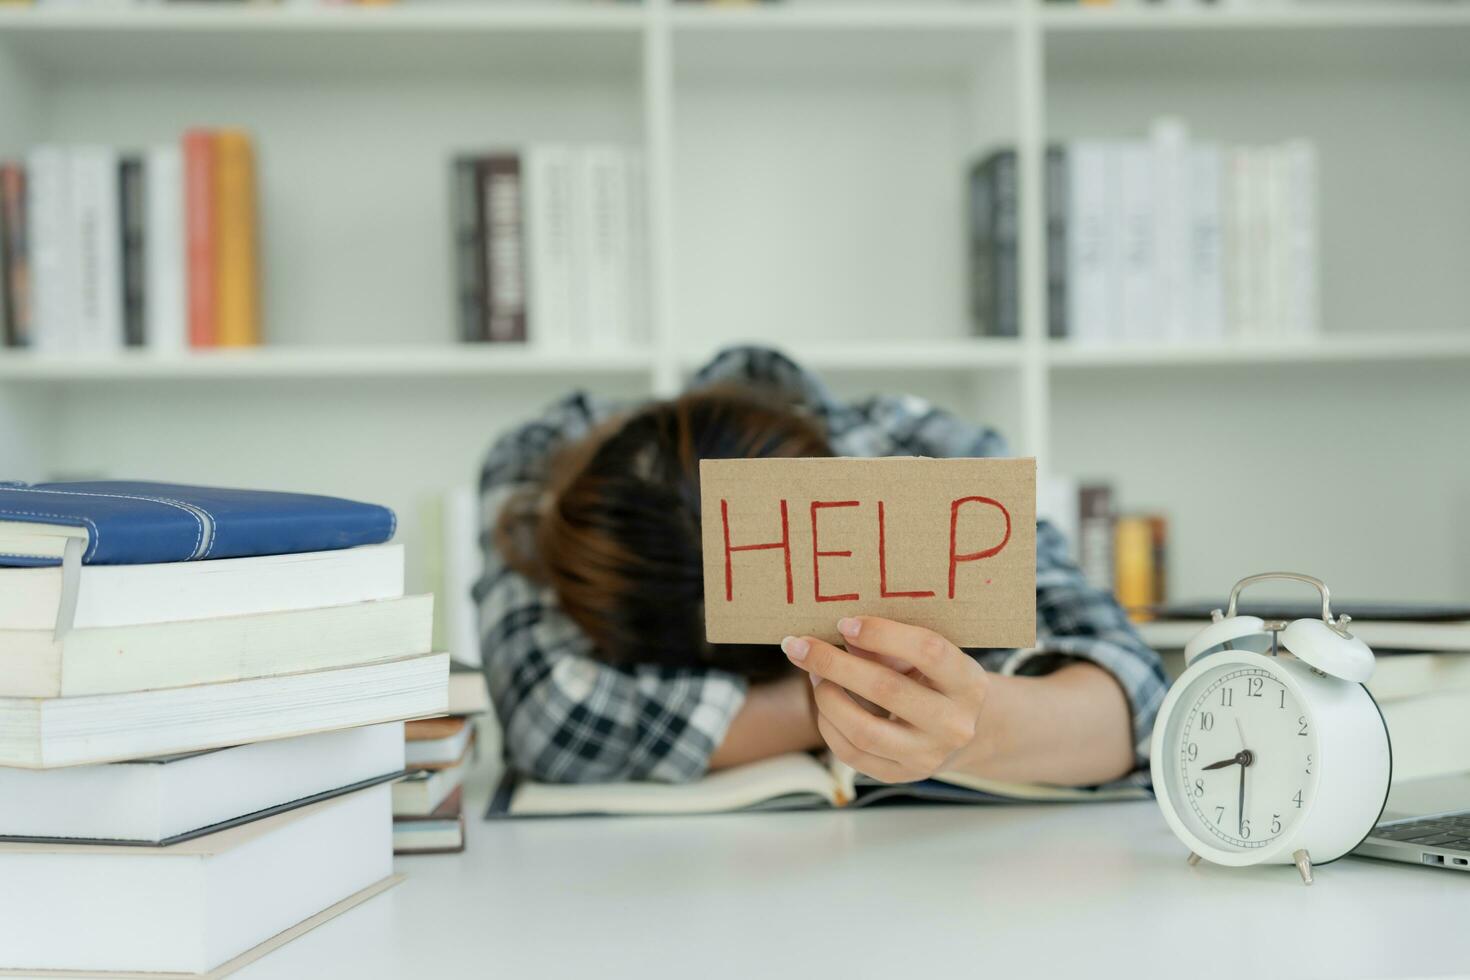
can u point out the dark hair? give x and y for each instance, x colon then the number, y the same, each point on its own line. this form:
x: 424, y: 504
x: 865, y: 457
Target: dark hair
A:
x: 616, y: 533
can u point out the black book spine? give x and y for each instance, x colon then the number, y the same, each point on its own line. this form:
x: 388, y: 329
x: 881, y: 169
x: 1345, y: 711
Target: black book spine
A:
x: 1007, y: 309
x: 982, y: 244
x: 505, y: 266
x: 1056, y: 241
x: 132, y: 209
x: 469, y: 251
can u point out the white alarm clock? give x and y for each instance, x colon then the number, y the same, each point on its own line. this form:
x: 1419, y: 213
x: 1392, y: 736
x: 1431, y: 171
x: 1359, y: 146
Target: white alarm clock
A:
x: 1269, y: 749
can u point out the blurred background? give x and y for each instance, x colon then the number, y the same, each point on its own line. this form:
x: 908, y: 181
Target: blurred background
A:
x: 1208, y: 262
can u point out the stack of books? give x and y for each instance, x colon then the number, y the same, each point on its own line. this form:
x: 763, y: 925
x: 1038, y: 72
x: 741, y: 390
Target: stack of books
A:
x: 1163, y: 240
x: 201, y: 712
x: 428, y: 806
x: 550, y: 246
x: 1125, y: 554
x: 103, y: 249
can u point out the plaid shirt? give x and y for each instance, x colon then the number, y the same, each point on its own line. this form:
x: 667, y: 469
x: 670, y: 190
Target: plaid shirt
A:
x: 570, y: 718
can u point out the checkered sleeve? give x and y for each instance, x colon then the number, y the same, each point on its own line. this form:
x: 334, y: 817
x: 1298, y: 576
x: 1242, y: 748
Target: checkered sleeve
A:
x: 566, y: 716
x: 1076, y: 622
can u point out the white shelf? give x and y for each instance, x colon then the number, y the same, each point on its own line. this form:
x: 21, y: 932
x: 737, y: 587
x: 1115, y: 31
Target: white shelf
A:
x: 1325, y: 350
x: 965, y: 355
x: 519, y: 18
x: 1395, y: 15
x: 322, y: 363
x: 846, y: 17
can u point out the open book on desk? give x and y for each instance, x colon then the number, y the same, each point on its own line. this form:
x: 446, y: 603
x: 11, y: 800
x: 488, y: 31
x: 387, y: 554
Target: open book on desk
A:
x: 796, y: 781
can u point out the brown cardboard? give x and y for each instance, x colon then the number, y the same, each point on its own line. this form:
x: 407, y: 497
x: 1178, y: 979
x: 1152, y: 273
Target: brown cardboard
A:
x: 771, y: 590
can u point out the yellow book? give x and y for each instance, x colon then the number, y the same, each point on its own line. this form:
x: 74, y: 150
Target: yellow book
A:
x: 236, y: 261
x: 1133, y: 557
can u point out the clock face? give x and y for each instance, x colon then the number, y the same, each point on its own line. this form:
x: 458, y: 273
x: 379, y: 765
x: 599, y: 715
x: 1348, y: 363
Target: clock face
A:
x: 1241, y: 758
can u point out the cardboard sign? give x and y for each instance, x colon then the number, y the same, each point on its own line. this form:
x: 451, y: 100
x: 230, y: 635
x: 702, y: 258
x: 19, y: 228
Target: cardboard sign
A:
x: 792, y: 545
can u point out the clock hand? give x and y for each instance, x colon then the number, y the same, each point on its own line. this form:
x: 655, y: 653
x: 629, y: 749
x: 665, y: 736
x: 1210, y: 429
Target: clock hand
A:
x: 1240, y: 812
x: 1243, y: 758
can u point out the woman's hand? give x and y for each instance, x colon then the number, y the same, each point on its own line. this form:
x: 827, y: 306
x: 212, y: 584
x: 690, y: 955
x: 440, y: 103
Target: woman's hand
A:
x: 929, y: 693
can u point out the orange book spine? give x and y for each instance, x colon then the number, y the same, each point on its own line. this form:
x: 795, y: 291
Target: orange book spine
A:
x: 1134, y: 580
x: 199, y: 230
x: 237, y: 304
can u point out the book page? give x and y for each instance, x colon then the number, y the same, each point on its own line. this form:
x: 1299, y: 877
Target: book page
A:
x: 794, y: 775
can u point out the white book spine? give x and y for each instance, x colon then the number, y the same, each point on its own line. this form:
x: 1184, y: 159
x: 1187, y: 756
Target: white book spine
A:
x: 1088, y: 302
x: 1239, y: 245
x: 98, y: 241
x: 580, y: 318
x: 1302, y: 303
x: 1206, y: 308
x: 48, y: 189
x: 640, y: 314
x: 1139, y: 309
x: 1276, y: 274
x: 606, y: 190
x: 548, y: 190
x: 1169, y: 140
x: 164, y: 174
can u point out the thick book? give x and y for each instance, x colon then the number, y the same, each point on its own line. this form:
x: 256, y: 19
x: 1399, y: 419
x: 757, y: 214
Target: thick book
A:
x: 98, y: 241
x: 1138, y: 247
x: 437, y: 743
x: 152, y: 656
x: 549, y: 232
x: 132, y: 209
x: 200, y: 262
x: 1206, y: 265
x: 52, y: 248
x: 1057, y: 186
x: 994, y: 214
x: 45, y: 733
x: 165, y: 308
x: 1092, y: 213
x: 196, y: 905
x: 440, y: 832
x: 123, y: 522
x: 468, y: 694
x: 16, y: 267
x: 604, y: 196
x: 505, y: 259
x: 422, y: 792
x: 169, y: 799
x: 796, y: 781
x: 127, y: 595
x: 236, y: 270
x: 469, y: 249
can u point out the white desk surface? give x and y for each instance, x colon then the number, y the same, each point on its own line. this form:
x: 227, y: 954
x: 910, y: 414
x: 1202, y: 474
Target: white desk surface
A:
x: 1099, y: 890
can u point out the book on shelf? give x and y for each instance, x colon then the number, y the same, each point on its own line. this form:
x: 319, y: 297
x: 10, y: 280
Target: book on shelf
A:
x: 796, y: 781
x: 549, y: 246
x: 169, y: 799
x: 1140, y: 563
x: 208, y: 900
x: 102, y: 249
x: 1164, y: 239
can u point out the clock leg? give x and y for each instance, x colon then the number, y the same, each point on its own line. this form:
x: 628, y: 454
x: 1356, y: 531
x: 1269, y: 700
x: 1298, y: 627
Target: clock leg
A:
x: 1303, y: 865
x: 1193, y: 859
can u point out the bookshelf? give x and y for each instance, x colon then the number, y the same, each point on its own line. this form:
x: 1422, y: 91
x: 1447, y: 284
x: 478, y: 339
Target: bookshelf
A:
x: 805, y: 166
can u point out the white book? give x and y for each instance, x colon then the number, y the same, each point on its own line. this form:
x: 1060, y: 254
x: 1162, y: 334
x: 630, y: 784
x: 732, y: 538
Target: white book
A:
x: 604, y: 199
x: 194, y: 906
x: 446, y: 750
x: 52, y: 254
x: 166, y: 330
x: 44, y: 733
x: 1206, y: 259
x: 151, y: 801
x: 1300, y: 305
x: 463, y: 564
x: 1138, y: 248
x: 1275, y: 259
x: 421, y: 793
x: 549, y: 232
x: 640, y: 312
x: 1241, y: 245
x: 96, y: 212
x: 127, y: 595
x: 1089, y: 240
x: 152, y: 656
x: 1169, y: 143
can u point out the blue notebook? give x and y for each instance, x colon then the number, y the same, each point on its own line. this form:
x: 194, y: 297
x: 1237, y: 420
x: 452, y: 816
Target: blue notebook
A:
x: 132, y: 523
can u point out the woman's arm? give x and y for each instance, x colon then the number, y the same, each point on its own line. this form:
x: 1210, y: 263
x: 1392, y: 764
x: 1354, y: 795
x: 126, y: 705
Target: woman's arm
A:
x: 776, y: 717
x: 941, y: 711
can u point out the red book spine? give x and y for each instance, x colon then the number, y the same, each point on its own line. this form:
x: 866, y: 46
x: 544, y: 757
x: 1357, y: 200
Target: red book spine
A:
x: 199, y: 225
